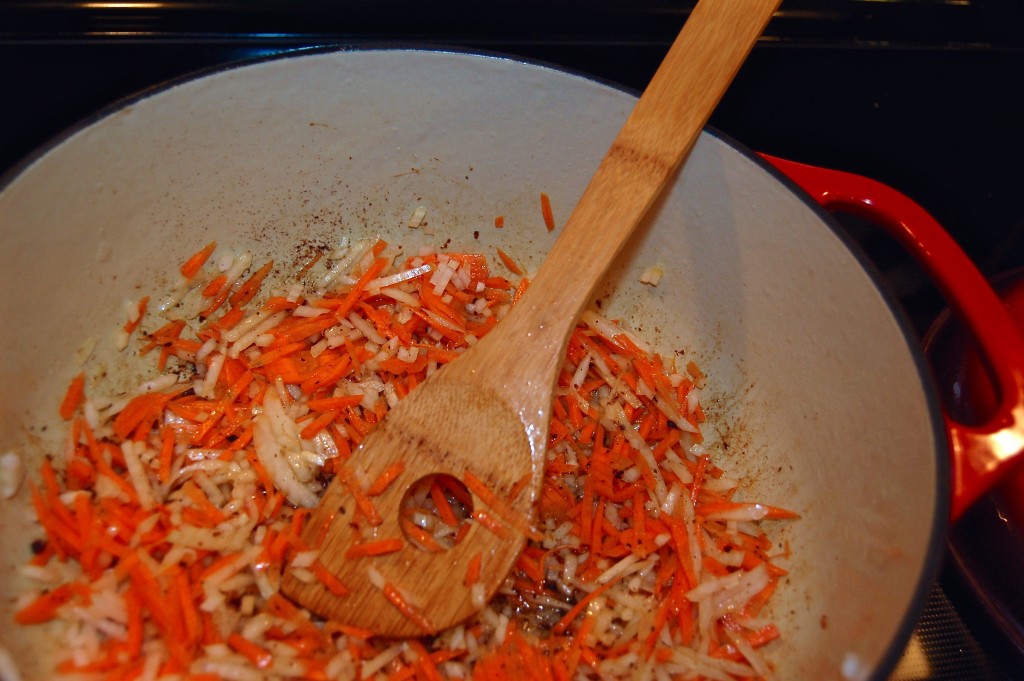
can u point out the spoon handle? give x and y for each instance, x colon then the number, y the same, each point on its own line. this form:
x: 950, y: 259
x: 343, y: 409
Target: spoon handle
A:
x: 649, y: 149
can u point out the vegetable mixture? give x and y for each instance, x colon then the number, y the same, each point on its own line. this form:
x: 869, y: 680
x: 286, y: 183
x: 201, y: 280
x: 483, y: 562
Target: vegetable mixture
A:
x: 169, y: 517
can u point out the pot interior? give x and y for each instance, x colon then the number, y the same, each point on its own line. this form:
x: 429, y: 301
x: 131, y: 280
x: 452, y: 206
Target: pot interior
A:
x: 814, y: 395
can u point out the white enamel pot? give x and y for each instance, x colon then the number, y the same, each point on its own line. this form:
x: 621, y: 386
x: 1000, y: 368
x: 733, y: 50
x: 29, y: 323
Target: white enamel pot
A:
x: 818, y: 393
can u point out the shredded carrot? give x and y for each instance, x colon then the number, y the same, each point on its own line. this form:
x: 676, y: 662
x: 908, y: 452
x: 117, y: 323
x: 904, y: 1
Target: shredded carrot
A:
x: 190, y: 613
x: 419, y: 536
x: 45, y: 607
x: 327, y: 374
x: 770, y: 512
x: 492, y: 524
x: 140, y: 312
x: 309, y: 265
x: 214, y: 286
x: 473, y: 569
x: 318, y: 424
x: 251, y: 286
x: 334, y: 403
x: 695, y: 373
x: 510, y: 263
x: 406, y: 608
x: 73, y: 398
x: 698, y: 478
x: 443, y: 506
x: 363, y: 501
x: 545, y: 211
x: 580, y: 606
x: 142, y: 410
x: 330, y: 580
x: 191, y: 267
x: 277, y: 353
x: 260, y: 657
x: 386, y: 477
x: 424, y: 663
x: 203, y: 503
x: 374, y: 548
x: 348, y: 630
x: 499, y: 506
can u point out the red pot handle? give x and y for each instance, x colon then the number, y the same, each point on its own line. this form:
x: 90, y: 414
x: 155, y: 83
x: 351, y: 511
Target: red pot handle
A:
x: 980, y: 454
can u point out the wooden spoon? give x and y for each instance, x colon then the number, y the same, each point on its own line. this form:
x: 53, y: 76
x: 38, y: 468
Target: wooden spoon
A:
x: 483, y: 419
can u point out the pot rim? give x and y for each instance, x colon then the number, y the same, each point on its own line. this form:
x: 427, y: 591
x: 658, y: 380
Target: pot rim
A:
x: 935, y: 550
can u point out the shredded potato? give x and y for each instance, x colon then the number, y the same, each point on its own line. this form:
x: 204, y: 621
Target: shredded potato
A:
x: 12, y: 472
x: 179, y: 505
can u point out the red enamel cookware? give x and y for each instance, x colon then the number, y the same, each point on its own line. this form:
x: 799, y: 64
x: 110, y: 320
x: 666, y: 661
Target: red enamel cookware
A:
x: 986, y: 546
x: 818, y: 394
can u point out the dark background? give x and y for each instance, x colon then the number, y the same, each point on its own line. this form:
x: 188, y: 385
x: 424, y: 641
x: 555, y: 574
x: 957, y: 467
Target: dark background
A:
x: 924, y: 95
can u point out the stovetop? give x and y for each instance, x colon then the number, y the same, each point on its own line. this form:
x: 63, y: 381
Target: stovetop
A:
x: 924, y: 95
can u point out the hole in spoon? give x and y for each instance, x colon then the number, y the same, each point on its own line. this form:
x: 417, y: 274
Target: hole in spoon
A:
x: 436, y: 512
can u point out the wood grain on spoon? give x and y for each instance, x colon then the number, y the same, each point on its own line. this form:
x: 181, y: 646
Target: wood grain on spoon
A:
x: 485, y: 416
